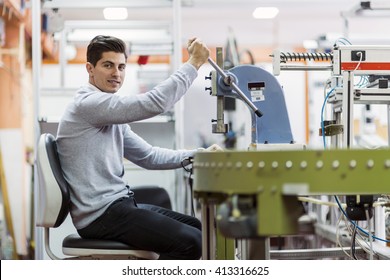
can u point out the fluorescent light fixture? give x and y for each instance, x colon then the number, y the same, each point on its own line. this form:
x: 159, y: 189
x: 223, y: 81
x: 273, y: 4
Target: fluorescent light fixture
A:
x: 265, y: 12
x: 115, y: 13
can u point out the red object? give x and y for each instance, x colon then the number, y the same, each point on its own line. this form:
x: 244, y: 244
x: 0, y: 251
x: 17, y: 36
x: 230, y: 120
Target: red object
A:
x: 143, y: 59
x: 365, y: 65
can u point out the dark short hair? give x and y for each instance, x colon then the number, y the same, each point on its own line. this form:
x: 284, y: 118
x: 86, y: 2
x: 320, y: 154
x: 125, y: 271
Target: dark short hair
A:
x: 101, y: 44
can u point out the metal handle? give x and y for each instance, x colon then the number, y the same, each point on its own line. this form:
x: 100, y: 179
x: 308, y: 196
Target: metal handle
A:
x: 235, y: 87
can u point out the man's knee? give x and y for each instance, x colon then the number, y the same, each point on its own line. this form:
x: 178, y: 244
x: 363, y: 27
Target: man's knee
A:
x: 195, y: 251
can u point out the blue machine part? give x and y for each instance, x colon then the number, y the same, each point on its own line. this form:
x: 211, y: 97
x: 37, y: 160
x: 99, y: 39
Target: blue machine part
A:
x: 267, y: 95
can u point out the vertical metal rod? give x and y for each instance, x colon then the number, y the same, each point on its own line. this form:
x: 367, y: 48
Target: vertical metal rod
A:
x: 254, y: 134
x: 176, y: 61
x: 208, y: 230
x: 36, y: 71
x: 259, y: 248
x: 177, y: 58
x: 347, y: 107
x: 220, y: 125
x: 62, y: 57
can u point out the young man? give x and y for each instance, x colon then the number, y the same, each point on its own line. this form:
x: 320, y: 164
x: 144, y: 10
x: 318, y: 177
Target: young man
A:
x: 94, y: 137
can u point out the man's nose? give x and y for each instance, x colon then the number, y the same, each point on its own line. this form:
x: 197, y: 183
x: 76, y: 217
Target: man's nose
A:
x: 115, y: 71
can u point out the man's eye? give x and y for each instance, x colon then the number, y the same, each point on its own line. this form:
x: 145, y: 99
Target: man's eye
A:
x: 107, y: 65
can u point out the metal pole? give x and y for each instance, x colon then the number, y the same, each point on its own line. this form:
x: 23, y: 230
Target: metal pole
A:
x: 220, y: 126
x: 307, y: 68
x: 208, y: 229
x: 36, y: 70
x: 176, y: 61
x: 177, y: 58
x: 62, y: 57
x: 347, y: 108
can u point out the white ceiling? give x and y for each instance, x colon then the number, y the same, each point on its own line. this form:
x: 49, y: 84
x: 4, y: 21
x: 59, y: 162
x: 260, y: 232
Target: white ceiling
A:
x: 210, y: 20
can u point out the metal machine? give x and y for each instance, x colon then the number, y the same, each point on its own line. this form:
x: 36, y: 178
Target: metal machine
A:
x: 264, y: 97
x: 254, y: 195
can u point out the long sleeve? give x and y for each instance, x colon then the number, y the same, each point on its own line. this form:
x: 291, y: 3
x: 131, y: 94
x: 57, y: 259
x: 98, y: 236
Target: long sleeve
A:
x: 100, y: 108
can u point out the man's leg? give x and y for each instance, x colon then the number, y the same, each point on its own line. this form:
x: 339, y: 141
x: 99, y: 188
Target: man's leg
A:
x: 171, y: 234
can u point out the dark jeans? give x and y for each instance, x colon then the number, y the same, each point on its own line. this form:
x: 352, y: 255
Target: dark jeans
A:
x: 173, y: 235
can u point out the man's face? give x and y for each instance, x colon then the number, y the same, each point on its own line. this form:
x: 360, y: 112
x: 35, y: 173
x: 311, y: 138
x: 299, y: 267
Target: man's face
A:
x: 109, y: 73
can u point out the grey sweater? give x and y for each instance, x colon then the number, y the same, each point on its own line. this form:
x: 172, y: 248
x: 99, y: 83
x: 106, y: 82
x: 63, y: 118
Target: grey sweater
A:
x: 94, y: 136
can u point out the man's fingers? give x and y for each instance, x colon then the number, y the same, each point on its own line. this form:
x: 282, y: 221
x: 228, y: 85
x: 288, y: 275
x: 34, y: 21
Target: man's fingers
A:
x: 190, y: 41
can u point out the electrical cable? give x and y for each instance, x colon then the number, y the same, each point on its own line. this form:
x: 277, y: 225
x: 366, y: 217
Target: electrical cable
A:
x: 353, y: 243
x: 184, y: 164
x: 363, y: 79
x: 343, y: 41
x: 360, y: 54
x: 356, y: 227
x: 359, y: 228
x: 353, y: 232
x: 250, y: 55
x: 363, y: 82
x: 336, y: 198
x: 190, y: 181
x: 338, y: 241
x: 360, y: 239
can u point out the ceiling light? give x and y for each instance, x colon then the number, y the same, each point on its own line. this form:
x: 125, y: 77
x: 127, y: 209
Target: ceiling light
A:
x: 265, y: 12
x: 115, y: 13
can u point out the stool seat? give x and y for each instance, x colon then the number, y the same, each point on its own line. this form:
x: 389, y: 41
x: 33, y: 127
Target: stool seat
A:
x: 74, y: 245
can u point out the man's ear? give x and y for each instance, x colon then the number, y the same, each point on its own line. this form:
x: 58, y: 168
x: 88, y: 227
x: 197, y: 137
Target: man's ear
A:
x: 89, y: 68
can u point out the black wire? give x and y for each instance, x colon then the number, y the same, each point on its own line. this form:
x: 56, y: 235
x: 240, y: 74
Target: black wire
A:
x: 353, y: 245
x: 249, y: 53
x: 189, y: 160
x: 190, y: 182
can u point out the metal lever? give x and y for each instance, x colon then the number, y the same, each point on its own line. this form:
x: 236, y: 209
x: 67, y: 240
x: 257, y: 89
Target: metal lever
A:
x: 235, y: 87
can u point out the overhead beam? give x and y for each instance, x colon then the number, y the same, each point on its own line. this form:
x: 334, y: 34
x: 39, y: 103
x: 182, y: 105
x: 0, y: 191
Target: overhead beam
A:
x: 52, y: 4
x: 104, y: 24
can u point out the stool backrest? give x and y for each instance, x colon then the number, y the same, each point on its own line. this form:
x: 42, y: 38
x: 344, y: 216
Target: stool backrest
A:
x: 53, y: 189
